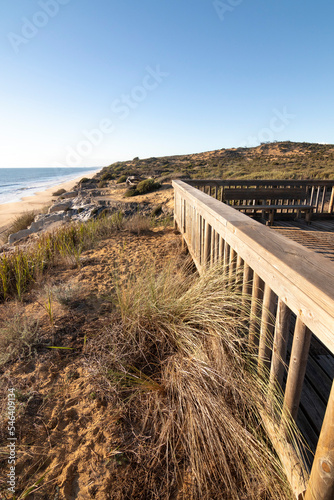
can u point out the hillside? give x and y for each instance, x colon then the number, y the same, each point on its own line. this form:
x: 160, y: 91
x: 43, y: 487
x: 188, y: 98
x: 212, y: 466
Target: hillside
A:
x: 280, y: 160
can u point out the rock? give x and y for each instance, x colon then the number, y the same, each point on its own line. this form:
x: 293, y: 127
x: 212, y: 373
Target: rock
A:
x: 40, y: 223
x: 19, y: 235
x: 70, y: 194
x: 60, y: 206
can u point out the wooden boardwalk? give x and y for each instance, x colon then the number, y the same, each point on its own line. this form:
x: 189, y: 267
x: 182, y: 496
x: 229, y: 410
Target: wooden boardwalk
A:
x: 291, y: 323
x: 317, y: 236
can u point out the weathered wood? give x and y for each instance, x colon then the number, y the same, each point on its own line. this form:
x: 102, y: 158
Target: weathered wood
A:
x: 266, y: 330
x: 207, y: 243
x: 256, y: 307
x: 286, y: 193
x: 291, y: 461
x: 281, y: 337
x: 317, y: 200
x: 297, y: 367
x: 226, y: 258
x: 321, y: 482
x: 232, y: 266
x: 239, y: 274
x: 323, y: 199
x: 331, y: 202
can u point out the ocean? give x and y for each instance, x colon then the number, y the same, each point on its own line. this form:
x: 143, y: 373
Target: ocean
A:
x: 16, y: 183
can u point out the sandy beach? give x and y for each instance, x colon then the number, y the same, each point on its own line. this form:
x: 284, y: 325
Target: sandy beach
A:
x: 37, y: 202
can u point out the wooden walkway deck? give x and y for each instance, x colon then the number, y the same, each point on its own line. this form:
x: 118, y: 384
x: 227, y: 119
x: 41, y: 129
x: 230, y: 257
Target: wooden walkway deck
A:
x: 291, y: 324
x: 317, y: 236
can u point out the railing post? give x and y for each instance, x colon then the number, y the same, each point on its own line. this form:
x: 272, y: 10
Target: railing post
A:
x: 267, y: 329
x: 321, y: 482
x: 207, y: 244
x: 281, y: 337
x: 331, y: 203
x: 297, y: 368
x: 257, y: 296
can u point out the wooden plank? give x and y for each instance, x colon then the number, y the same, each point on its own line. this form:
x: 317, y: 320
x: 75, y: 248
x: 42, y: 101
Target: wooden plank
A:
x: 265, y: 194
x: 273, y: 207
x: 257, y: 183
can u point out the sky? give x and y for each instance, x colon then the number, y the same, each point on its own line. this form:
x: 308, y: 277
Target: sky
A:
x: 91, y: 82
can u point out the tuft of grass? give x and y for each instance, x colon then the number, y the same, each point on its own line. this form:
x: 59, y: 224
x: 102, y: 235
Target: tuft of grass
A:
x: 17, y: 335
x: 138, y: 224
x: 178, y: 365
x: 20, y: 222
x: 20, y: 269
x: 65, y: 293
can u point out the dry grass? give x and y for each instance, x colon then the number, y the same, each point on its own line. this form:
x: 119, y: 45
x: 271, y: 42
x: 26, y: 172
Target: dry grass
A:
x: 138, y: 224
x: 17, y: 336
x: 21, y: 222
x: 175, y: 363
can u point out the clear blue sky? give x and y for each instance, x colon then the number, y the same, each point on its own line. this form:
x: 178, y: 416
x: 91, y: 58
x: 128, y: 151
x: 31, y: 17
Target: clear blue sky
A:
x: 89, y: 82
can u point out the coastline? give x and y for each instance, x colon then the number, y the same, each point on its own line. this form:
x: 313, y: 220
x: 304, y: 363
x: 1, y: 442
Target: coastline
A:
x: 9, y: 211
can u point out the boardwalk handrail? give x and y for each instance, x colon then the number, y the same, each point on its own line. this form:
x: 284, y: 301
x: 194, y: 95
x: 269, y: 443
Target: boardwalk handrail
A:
x: 286, y: 277
x: 320, y: 193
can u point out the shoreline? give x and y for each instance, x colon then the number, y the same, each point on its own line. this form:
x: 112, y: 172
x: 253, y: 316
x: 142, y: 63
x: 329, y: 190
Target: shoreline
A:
x: 37, y: 201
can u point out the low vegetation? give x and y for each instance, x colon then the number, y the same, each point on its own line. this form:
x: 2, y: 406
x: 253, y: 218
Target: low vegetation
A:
x: 174, y: 365
x: 59, y: 192
x: 17, y: 336
x: 20, y: 269
x: 21, y: 222
x: 280, y: 160
x: 143, y: 187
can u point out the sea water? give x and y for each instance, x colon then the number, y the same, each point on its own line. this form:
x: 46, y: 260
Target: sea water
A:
x: 16, y: 183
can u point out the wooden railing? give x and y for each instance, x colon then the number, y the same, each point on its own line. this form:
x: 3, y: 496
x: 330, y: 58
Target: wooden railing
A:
x: 320, y: 193
x: 286, y: 279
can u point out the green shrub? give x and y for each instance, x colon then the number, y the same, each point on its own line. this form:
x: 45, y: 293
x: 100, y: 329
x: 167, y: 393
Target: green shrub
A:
x: 130, y: 192
x: 121, y: 179
x: 84, y: 180
x: 107, y: 176
x: 102, y: 184
x: 59, y: 192
x: 147, y: 186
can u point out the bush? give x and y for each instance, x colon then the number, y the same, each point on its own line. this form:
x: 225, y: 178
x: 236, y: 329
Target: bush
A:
x: 84, y: 180
x: 130, y: 192
x: 107, y: 176
x: 147, y: 186
x: 59, y: 192
x: 121, y: 179
x: 143, y: 187
x: 102, y: 184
